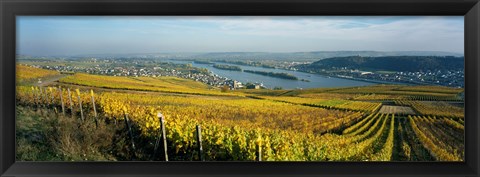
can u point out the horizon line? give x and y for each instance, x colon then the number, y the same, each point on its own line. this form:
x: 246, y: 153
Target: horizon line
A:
x: 273, y: 52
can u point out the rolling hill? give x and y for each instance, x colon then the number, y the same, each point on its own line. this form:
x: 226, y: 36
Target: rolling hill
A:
x: 387, y: 63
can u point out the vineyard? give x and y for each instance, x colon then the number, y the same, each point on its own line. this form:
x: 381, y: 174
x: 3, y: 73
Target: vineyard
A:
x: 163, y: 84
x: 434, y: 108
x: 167, y: 118
x: 329, y: 104
x: 26, y: 73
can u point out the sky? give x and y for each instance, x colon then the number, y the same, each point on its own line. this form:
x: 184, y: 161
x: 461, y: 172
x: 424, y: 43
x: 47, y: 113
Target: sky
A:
x: 81, y: 35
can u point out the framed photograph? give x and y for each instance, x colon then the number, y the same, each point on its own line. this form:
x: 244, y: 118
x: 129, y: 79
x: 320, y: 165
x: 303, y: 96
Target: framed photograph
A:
x: 239, y: 88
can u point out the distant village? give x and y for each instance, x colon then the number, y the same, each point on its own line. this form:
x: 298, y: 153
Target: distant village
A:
x: 439, y: 77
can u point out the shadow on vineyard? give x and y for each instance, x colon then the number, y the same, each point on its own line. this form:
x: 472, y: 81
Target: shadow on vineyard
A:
x: 410, y: 149
x: 42, y: 135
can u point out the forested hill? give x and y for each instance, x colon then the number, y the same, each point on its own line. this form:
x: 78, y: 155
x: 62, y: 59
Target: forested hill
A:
x: 388, y: 63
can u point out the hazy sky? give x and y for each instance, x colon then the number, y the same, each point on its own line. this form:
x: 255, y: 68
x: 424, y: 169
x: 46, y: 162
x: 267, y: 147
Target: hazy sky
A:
x: 73, y: 35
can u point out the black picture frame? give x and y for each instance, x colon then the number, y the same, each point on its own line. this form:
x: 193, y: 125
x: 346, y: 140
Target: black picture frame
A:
x: 470, y: 9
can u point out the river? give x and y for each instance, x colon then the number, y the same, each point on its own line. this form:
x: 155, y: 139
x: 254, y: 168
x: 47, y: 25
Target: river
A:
x: 316, y: 81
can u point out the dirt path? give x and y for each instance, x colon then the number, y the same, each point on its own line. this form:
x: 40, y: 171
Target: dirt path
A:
x: 50, y: 80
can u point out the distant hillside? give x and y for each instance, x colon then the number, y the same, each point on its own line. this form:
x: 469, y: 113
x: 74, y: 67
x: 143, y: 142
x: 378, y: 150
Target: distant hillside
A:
x: 388, y: 63
x: 285, y: 56
x: 315, y: 55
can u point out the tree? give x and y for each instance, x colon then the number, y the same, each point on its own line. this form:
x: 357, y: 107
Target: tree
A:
x: 225, y: 88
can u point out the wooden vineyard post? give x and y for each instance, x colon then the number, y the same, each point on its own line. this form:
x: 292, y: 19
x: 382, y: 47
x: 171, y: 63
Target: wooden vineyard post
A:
x: 47, y: 101
x: 50, y: 89
x: 61, y: 100
x: 159, y: 136
x: 199, y: 141
x: 162, y: 124
x: 94, y: 109
x: 35, y: 96
x: 52, y: 99
x: 127, y: 123
x: 42, y: 96
x: 258, y: 152
x: 70, y: 99
x: 43, y: 100
x: 45, y: 97
x: 80, y: 104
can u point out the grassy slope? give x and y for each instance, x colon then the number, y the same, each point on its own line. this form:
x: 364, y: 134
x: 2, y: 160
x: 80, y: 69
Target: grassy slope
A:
x: 44, y: 136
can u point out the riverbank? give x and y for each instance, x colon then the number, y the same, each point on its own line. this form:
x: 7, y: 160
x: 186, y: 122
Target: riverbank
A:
x: 369, y: 80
